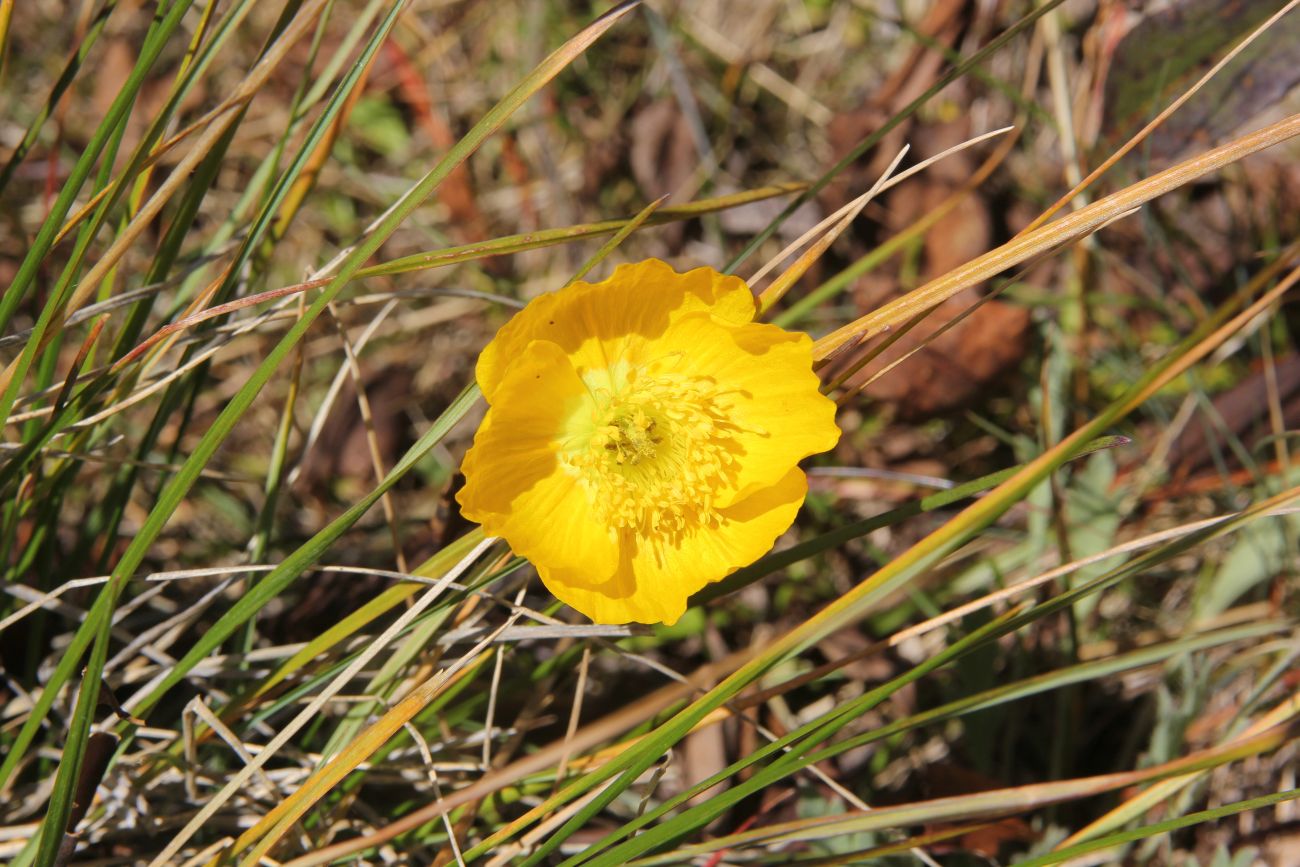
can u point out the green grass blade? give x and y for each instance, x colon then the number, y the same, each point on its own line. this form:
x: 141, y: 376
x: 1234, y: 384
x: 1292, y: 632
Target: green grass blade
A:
x: 612, y: 244
x: 1135, y: 834
x: 827, y: 726
x: 300, y: 560
x: 63, y: 82
x: 116, y: 115
x: 550, y: 237
x: 98, y: 619
x: 112, y: 512
x: 249, y: 604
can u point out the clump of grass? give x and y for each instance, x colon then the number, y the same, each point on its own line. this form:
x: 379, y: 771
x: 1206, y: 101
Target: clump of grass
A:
x: 227, y: 229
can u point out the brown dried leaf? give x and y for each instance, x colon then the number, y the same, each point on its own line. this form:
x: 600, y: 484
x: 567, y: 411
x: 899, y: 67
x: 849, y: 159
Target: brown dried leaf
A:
x: 953, y: 368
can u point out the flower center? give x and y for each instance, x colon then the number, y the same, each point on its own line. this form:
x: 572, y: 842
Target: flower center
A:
x: 653, y: 452
x: 631, y: 436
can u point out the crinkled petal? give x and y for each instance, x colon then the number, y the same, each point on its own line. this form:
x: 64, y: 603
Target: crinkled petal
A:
x: 654, y: 581
x: 597, y: 324
x: 514, y: 485
x: 766, y: 374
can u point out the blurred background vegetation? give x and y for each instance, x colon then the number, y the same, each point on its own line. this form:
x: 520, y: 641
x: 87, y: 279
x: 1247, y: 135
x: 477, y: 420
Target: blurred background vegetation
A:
x: 200, y: 154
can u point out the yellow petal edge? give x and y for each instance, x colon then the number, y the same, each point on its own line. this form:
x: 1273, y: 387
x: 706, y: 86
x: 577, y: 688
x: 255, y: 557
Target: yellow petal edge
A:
x: 642, y: 438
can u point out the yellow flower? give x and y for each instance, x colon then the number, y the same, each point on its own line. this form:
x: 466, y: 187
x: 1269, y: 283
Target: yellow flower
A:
x: 642, y: 438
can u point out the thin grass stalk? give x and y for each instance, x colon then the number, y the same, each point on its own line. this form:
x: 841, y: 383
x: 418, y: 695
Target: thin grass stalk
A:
x: 1211, y: 334
x: 309, y: 712
x: 278, y: 822
x: 989, y: 804
x: 800, y: 309
x: 200, y: 54
x: 467, y: 253
x: 746, y: 575
x: 833, y: 226
x: 870, y: 354
x: 310, y: 170
x: 58, y: 481
x: 795, y: 745
x: 1148, y: 798
x: 6, y: 15
x: 878, y: 135
x: 1192, y: 819
x: 224, y: 121
x: 1244, y: 744
x: 599, y: 256
x: 186, y: 77
x: 1069, y: 228
x: 789, y: 747
x: 618, y: 238
x: 588, y: 737
x: 786, y: 280
x: 1159, y: 119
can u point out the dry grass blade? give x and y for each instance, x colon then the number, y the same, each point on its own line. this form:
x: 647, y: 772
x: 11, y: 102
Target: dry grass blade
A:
x: 1161, y: 791
x: 275, y: 824
x: 533, y: 837
x: 372, y: 438
x: 799, y: 309
x: 1203, y: 817
x: 843, y: 218
x: 589, y: 736
x: 147, y: 162
x: 850, y: 606
x: 832, y: 227
x: 221, y: 121
x: 205, y: 314
x: 1047, y: 238
x: 870, y: 354
x: 1004, y: 596
x: 1155, y: 122
x: 308, y: 713
x: 1000, y: 802
x: 652, y: 215
x: 96, y: 626
x: 6, y: 14
x: 618, y: 238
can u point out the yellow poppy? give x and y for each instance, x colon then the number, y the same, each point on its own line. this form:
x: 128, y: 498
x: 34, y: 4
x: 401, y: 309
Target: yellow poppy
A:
x: 642, y: 438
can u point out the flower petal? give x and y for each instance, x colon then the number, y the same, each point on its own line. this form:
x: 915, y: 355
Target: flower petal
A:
x: 773, y: 394
x: 595, y: 322
x: 514, y: 485
x: 654, y: 580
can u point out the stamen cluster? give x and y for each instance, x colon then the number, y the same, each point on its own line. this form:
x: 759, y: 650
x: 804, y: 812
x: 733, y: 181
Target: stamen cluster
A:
x: 659, y: 451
